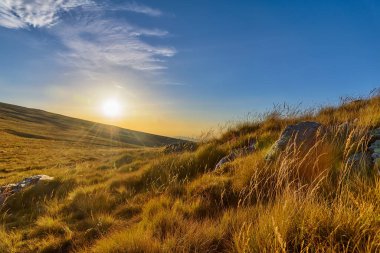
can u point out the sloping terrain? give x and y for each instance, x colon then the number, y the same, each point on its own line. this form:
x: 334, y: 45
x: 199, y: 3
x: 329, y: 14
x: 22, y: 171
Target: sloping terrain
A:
x: 289, y: 182
x: 41, y: 125
x: 34, y: 141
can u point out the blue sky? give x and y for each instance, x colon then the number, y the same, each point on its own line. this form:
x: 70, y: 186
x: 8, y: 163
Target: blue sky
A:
x: 182, y: 67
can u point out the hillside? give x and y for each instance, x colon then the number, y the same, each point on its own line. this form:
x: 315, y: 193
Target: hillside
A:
x: 290, y: 181
x: 37, y: 124
x: 34, y: 140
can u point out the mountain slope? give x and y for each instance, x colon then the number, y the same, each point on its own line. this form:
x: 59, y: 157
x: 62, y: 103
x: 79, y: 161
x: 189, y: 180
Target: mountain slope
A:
x: 37, y: 124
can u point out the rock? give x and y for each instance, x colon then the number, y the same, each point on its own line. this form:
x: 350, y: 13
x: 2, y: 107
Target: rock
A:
x: 359, y: 160
x: 10, y: 189
x: 374, y: 146
x: 376, y: 133
x: 369, y: 158
x: 228, y: 158
x: 237, y: 153
x: 304, y: 133
x: 180, y: 147
x: 343, y: 130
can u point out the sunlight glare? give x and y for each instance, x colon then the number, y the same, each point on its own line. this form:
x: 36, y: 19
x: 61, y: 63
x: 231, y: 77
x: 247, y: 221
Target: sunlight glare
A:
x: 111, y: 108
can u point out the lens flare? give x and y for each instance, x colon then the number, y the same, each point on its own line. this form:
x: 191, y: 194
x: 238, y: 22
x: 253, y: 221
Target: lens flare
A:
x: 111, y: 108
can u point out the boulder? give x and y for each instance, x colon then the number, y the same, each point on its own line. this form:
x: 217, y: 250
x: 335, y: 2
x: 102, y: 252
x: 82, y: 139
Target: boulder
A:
x: 369, y: 158
x: 10, y: 189
x: 359, y: 160
x: 180, y: 147
x: 374, y: 147
x: 303, y: 133
x: 376, y: 133
x: 237, y: 153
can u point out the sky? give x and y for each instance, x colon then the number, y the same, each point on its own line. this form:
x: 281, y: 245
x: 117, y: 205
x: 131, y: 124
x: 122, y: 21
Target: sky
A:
x: 180, y: 68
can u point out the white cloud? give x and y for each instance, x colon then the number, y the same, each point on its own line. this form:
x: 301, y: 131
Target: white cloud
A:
x: 36, y: 13
x: 8, y: 20
x: 102, y: 43
x: 93, y: 40
x: 138, y: 8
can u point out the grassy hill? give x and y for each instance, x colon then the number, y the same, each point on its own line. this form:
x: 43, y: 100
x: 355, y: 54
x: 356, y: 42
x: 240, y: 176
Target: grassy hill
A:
x: 38, y: 124
x: 144, y: 200
x: 33, y: 140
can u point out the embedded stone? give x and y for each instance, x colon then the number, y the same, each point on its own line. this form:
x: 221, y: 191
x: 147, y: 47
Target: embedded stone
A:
x: 302, y: 134
x: 10, y: 189
x: 237, y: 153
x: 359, y: 160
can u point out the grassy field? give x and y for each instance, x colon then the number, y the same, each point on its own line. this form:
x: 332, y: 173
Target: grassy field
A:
x: 112, y: 196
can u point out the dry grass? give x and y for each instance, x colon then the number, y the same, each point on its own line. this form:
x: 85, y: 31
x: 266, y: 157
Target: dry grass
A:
x: 142, y: 200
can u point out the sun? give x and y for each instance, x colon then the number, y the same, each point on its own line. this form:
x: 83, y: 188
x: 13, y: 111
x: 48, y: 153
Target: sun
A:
x: 112, y: 108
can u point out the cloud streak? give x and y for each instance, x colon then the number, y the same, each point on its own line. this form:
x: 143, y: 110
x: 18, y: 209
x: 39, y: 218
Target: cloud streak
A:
x: 102, y: 43
x: 35, y: 13
x: 142, y: 9
x: 92, y: 39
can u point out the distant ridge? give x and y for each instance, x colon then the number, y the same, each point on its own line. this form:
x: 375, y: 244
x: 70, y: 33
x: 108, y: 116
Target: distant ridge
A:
x: 38, y: 124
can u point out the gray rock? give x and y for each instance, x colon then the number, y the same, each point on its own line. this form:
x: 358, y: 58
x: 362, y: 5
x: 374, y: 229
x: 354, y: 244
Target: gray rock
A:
x: 10, y: 189
x: 304, y: 133
x: 376, y: 133
x: 237, y: 153
x: 359, y: 160
x: 364, y: 159
x: 228, y: 158
x: 180, y: 147
x: 374, y: 147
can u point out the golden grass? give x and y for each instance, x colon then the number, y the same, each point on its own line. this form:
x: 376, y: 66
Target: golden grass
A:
x: 146, y: 201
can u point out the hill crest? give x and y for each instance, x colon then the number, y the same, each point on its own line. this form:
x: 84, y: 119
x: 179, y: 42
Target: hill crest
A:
x: 33, y: 123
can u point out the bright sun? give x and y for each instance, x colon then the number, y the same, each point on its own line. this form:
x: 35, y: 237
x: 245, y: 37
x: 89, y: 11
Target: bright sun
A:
x: 111, y: 108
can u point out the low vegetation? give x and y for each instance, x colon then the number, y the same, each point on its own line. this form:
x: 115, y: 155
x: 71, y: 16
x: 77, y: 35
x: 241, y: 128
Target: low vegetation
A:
x: 144, y: 200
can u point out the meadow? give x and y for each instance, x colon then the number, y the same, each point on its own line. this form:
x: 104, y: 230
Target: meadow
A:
x: 129, y: 198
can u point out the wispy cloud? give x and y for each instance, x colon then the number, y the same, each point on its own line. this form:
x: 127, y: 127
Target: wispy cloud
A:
x: 101, y: 43
x: 35, y: 13
x: 143, y: 9
x: 92, y: 39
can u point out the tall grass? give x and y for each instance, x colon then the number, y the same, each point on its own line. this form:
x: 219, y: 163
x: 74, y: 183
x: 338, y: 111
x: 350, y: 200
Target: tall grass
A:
x: 310, y: 198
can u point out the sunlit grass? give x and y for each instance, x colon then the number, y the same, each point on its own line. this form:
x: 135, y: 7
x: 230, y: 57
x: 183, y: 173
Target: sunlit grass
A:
x: 147, y: 201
